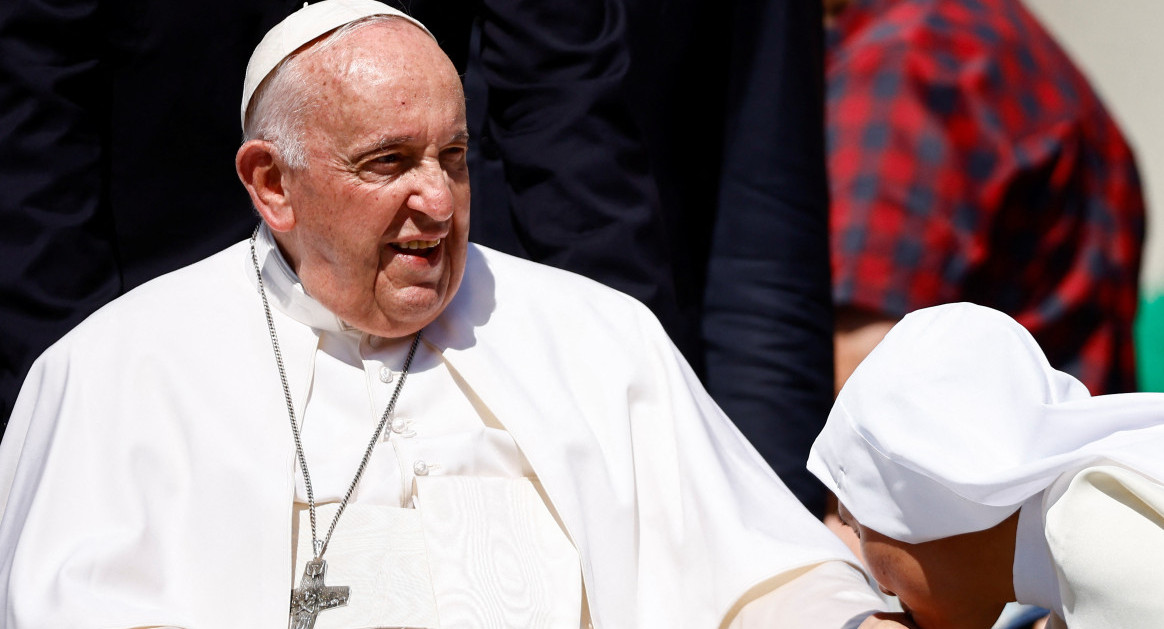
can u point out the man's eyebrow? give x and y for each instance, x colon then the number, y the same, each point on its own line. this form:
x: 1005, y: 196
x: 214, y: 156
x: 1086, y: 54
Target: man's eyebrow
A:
x: 384, y: 143
x: 388, y: 142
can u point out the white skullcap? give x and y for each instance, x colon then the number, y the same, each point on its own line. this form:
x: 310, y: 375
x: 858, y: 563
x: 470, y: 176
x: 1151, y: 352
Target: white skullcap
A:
x: 303, y: 26
x: 957, y: 418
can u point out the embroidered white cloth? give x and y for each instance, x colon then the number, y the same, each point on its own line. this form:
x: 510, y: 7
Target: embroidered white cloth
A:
x: 475, y: 552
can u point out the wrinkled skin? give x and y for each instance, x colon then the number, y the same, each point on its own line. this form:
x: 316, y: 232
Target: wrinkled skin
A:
x: 376, y: 225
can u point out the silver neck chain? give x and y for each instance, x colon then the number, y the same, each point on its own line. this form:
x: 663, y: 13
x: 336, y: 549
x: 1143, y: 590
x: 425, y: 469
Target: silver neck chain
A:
x: 317, y: 545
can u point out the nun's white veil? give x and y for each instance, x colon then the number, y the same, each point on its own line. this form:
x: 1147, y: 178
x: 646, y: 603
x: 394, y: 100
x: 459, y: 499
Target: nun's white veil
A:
x: 957, y: 418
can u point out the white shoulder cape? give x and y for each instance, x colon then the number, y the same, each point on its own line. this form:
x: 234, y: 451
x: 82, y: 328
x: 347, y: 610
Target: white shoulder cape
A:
x: 146, y: 477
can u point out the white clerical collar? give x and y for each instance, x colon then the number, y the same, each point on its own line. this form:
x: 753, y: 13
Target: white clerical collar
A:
x: 285, y: 290
x: 1035, y: 579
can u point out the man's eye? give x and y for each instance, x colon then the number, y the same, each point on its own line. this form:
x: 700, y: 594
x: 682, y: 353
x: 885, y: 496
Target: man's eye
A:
x: 453, y: 155
x: 387, y: 164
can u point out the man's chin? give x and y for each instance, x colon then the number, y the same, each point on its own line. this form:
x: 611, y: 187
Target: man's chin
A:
x: 406, y: 314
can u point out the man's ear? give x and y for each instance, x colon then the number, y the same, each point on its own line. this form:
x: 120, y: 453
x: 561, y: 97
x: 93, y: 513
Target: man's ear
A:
x: 265, y: 179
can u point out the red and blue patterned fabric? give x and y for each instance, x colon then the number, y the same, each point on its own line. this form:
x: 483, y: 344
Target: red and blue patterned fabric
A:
x: 969, y: 160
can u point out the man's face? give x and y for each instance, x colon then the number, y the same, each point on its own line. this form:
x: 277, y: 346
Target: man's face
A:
x: 381, y: 213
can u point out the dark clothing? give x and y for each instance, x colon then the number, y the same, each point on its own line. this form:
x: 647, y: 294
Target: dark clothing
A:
x: 766, y: 310
x: 971, y: 161
x: 118, y: 123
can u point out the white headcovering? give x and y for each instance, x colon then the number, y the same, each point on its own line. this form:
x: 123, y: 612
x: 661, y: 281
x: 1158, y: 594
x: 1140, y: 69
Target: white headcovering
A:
x: 303, y: 26
x: 957, y: 418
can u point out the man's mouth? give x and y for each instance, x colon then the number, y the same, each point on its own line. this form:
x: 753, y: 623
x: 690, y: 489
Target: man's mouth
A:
x: 416, y: 247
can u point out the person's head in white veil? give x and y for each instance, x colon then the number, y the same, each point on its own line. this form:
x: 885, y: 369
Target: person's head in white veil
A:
x: 949, y: 427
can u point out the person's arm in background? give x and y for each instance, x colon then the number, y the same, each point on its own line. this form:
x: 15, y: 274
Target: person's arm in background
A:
x: 57, y: 258
x: 579, y: 194
x: 767, y: 309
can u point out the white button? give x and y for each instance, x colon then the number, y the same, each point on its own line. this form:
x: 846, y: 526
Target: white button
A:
x: 403, y: 427
x: 420, y: 468
x: 386, y: 374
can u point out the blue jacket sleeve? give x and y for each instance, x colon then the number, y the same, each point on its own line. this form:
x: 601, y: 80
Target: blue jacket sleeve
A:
x: 767, y: 317
x: 578, y: 191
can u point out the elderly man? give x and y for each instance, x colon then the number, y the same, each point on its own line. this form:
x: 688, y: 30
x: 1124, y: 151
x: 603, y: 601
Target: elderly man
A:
x: 359, y: 418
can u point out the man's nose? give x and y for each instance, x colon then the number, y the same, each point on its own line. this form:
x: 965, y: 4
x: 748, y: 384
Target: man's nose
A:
x: 432, y: 191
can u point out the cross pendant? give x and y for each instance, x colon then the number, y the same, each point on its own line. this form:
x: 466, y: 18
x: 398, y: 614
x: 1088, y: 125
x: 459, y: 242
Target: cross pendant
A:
x: 312, y: 596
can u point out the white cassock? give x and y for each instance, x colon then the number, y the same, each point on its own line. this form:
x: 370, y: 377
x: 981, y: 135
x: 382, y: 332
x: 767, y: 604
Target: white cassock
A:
x: 956, y: 421
x: 552, y: 462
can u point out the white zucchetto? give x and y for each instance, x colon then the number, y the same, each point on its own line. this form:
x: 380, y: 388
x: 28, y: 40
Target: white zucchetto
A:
x: 300, y: 28
x: 957, y: 418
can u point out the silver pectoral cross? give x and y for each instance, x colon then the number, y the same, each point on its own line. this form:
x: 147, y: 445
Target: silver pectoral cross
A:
x: 312, y: 596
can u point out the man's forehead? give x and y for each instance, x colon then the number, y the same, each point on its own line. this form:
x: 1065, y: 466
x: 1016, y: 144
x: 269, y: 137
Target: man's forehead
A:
x: 390, y: 64
x: 376, y: 53
x: 372, y: 90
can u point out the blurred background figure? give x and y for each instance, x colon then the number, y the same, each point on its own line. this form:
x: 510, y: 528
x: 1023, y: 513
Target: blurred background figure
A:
x: 93, y: 93
x: 1114, y: 43
x: 969, y: 160
x: 731, y: 103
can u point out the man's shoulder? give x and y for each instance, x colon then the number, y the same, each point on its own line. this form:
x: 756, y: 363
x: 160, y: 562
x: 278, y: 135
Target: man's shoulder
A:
x: 503, y: 297
x: 171, y: 304
x: 540, y: 285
